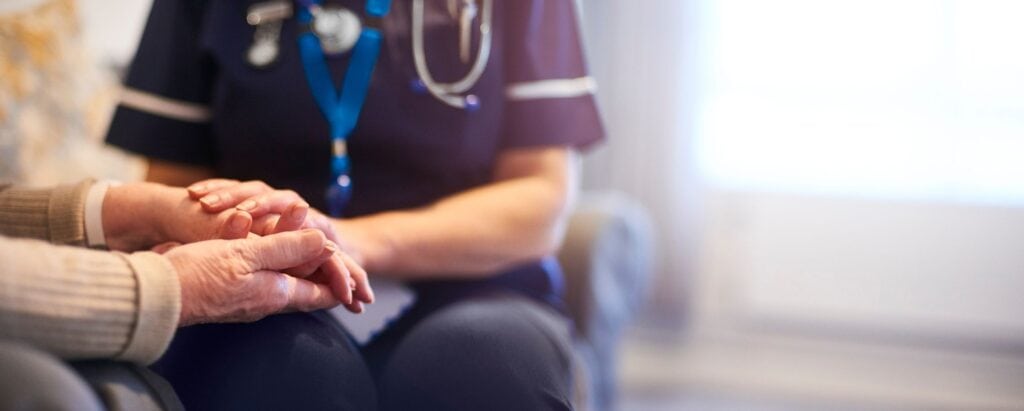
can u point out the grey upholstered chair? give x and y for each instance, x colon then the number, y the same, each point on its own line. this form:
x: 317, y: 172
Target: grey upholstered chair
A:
x: 607, y: 261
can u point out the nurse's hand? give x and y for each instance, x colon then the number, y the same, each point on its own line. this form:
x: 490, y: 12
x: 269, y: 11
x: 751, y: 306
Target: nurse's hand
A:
x: 275, y: 211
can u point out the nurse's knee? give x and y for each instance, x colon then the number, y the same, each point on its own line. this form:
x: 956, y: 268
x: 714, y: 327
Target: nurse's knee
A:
x: 506, y: 354
x: 289, y: 361
x: 33, y: 380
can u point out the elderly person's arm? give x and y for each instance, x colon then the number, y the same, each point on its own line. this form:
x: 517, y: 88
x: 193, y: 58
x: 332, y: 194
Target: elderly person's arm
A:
x: 139, y: 216
x: 80, y: 303
x: 134, y: 217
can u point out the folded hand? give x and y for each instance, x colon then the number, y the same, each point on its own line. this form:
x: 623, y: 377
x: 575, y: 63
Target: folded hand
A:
x: 275, y: 211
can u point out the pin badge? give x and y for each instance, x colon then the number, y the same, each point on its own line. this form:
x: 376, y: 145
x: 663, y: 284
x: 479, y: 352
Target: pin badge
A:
x: 266, y: 17
x: 337, y: 28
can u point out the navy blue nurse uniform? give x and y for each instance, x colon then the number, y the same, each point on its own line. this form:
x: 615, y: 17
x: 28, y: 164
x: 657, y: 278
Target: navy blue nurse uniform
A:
x: 191, y: 97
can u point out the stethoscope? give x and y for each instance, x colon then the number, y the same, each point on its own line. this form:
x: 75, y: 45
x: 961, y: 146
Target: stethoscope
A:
x: 332, y: 31
x: 452, y: 93
x: 339, y: 28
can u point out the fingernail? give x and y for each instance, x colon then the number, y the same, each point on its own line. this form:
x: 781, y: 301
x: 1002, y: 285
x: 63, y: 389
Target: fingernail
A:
x: 247, y: 205
x: 197, y: 187
x: 299, y: 211
x: 351, y: 284
x: 210, y: 200
x: 332, y: 247
x: 238, y: 222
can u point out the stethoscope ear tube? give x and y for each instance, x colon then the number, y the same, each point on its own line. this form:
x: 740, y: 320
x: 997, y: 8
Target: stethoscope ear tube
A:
x: 451, y: 93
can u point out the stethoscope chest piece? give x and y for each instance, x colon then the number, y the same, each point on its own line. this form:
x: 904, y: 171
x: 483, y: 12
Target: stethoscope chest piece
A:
x: 337, y: 28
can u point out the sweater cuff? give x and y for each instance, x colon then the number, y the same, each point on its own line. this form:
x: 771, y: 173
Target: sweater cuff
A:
x: 51, y: 214
x: 159, y: 307
x: 66, y: 213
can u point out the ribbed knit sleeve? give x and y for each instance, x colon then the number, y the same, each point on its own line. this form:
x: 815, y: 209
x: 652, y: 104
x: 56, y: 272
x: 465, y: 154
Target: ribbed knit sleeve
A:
x: 53, y: 214
x: 158, y: 307
x: 79, y: 303
x: 74, y: 302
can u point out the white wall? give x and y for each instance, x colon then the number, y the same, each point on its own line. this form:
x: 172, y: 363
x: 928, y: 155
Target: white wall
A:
x: 641, y: 56
x: 908, y: 273
x: 891, y: 302
x: 112, y: 27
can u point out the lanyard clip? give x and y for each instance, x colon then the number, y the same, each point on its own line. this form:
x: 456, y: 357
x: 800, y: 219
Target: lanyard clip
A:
x: 267, y: 18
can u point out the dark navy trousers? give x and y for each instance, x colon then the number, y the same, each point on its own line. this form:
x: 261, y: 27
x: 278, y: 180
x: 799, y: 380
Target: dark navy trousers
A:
x: 492, y: 351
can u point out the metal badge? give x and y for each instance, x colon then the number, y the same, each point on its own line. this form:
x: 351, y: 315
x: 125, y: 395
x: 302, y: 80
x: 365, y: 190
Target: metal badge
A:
x: 266, y: 43
x: 337, y: 28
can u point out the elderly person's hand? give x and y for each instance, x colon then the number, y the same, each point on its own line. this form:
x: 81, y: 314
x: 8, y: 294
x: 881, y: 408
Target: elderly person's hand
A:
x: 145, y: 215
x: 248, y: 279
x: 273, y: 211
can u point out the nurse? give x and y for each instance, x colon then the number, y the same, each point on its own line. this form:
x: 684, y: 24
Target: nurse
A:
x: 465, y: 204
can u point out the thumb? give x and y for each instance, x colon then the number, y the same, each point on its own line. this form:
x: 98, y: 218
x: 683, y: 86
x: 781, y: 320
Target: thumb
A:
x: 282, y: 251
x: 165, y: 247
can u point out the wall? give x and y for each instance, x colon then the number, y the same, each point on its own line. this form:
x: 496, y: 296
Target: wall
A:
x: 640, y: 56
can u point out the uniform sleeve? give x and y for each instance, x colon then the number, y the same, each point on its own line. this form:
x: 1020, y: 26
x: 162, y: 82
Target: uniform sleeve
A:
x: 164, y: 110
x: 549, y: 92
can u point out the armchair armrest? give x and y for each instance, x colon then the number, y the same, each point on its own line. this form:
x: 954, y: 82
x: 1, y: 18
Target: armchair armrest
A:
x: 606, y: 259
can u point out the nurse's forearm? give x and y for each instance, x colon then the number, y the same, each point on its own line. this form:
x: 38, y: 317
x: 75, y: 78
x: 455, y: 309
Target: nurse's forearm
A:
x: 518, y: 218
x: 176, y: 174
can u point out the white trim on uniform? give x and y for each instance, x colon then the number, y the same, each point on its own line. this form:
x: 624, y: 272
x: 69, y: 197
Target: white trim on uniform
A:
x: 553, y: 88
x: 164, y: 107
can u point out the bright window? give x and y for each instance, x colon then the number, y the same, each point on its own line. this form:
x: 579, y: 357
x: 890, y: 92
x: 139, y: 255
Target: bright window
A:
x: 917, y: 99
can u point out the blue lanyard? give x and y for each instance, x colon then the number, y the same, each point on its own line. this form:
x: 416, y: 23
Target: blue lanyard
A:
x: 341, y: 107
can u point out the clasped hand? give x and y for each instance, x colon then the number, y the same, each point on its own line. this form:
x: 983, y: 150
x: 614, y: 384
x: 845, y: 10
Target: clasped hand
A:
x: 227, y: 273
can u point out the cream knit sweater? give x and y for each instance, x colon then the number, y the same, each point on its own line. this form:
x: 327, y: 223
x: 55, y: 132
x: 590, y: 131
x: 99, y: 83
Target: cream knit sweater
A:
x: 76, y: 302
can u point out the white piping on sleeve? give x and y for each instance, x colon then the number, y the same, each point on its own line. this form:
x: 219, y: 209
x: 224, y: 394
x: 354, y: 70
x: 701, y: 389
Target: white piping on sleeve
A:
x: 553, y: 88
x: 164, y: 107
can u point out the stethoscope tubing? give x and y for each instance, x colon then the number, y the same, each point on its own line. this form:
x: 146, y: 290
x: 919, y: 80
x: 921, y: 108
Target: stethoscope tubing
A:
x: 450, y: 93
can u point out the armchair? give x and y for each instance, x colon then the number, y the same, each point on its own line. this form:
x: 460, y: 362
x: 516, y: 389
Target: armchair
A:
x: 606, y: 259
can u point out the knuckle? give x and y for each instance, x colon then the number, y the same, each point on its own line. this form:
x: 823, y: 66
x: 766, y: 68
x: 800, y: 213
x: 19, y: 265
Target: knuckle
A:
x: 277, y: 302
x: 268, y: 297
x: 245, y: 255
x: 277, y: 299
